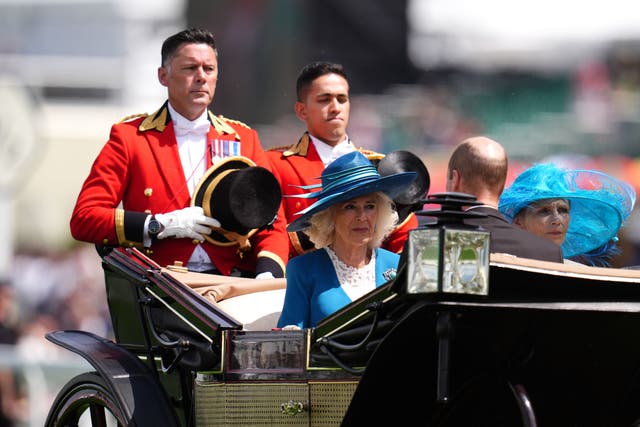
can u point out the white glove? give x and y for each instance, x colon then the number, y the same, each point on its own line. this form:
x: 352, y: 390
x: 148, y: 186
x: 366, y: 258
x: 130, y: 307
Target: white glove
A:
x: 189, y: 222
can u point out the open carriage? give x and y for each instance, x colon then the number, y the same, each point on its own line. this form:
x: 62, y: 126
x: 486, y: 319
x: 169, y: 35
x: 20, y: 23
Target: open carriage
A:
x: 547, y: 344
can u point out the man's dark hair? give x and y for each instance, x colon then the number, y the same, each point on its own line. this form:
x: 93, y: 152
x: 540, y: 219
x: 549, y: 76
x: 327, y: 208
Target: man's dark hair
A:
x: 312, y: 71
x: 191, y: 35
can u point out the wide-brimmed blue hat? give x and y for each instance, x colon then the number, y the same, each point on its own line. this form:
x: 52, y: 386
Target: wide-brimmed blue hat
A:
x: 600, y: 204
x: 349, y: 176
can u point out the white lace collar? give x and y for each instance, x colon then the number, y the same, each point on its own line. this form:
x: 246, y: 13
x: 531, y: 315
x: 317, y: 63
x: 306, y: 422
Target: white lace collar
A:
x: 354, y: 281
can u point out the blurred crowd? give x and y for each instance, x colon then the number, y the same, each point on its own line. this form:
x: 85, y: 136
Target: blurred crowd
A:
x: 48, y: 292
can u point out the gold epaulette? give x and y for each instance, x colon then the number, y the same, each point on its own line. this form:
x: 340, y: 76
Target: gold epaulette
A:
x: 238, y: 122
x: 132, y: 116
x: 371, y: 155
x: 300, y: 148
x: 280, y: 148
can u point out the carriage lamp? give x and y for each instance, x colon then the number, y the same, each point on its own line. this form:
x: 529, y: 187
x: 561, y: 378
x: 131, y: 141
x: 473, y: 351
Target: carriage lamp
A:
x: 448, y: 255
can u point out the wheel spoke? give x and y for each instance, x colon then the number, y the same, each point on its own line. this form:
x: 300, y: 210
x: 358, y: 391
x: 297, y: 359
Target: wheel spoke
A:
x: 86, y: 398
x: 98, y: 418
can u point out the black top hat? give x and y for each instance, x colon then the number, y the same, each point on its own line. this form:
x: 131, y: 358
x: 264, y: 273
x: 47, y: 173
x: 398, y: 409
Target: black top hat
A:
x: 242, y: 196
x: 405, y: 161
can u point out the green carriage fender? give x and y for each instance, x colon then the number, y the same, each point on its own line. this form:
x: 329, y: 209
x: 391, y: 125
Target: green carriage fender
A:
x: 130, y: 381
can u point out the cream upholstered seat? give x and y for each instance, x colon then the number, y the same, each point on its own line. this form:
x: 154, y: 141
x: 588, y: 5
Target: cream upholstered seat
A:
x: 256, y: 303
x: 257, y: 311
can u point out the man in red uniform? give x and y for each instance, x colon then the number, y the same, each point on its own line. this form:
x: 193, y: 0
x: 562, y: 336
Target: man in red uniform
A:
x: 323, y: 103
x: 139, y: 190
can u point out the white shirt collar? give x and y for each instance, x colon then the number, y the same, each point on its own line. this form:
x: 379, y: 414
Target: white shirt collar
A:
x: 329, y: 153
x: 181, y: 121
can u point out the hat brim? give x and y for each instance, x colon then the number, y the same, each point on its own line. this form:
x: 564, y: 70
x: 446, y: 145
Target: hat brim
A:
x: 391, y: 185
x: 258, y: 211
x: 405, y: 161
x: 600, y: 204
x: 593, y: 223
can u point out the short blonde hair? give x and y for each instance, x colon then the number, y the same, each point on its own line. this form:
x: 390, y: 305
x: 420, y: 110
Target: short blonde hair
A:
x: 322, y: 225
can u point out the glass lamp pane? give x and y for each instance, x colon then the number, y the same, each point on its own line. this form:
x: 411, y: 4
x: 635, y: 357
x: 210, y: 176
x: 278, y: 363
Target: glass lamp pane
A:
x: 423, y: 256
x: 466, y: 262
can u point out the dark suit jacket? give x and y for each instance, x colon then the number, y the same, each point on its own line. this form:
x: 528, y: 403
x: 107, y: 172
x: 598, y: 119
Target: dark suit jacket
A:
x: 509, y: 239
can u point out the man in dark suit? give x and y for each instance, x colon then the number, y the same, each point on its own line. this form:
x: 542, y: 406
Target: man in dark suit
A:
x: 478, y: 166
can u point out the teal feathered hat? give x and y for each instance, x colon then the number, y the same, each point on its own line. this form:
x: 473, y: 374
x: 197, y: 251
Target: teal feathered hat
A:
x: 600, y: 204
x: 349, y: 176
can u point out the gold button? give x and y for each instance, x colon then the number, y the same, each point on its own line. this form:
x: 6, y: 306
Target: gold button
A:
x: 148, y: 192
x: 195, y: 241
x: 105, y: 241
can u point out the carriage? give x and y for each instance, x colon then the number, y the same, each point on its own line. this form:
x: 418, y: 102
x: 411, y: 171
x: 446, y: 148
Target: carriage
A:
x: 541, y: 344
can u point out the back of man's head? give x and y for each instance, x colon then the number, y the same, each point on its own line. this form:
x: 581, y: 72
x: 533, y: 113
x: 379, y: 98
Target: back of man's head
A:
x: 481, y: 167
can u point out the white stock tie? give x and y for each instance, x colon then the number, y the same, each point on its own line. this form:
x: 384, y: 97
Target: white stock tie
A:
x: 195, y: 128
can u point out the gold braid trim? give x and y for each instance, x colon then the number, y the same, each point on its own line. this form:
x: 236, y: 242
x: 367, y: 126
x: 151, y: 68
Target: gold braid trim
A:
x: 301, y: 148
x: 238, y: 122
x: 222, y: 126
x: 132, y: 116
x: 276, y: 258
x: 157, y: 120
x: 294, y: 237
x: 280, y: 148
x: 242, y: 240
x: 119, y: 223
x: 371, y: 155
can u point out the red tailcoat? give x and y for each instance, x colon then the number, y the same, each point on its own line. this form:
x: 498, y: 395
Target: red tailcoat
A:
x: 140, y: 167
x: 300, y: 165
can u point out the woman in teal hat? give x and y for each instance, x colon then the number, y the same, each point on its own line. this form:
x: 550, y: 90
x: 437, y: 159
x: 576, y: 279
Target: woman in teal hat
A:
x: 581, y: 210
x: 350, y: 218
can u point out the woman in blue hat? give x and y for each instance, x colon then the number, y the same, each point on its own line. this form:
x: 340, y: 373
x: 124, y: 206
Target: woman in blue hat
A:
x: 347, y: 223
x: 580, y: 210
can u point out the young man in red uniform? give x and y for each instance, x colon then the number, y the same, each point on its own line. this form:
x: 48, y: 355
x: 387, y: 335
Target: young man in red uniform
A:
x: 139, y: 190
x: 323, y: 104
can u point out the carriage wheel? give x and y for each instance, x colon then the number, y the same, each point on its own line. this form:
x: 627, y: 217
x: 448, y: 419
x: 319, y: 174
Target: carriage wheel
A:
x: 86, y: 400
